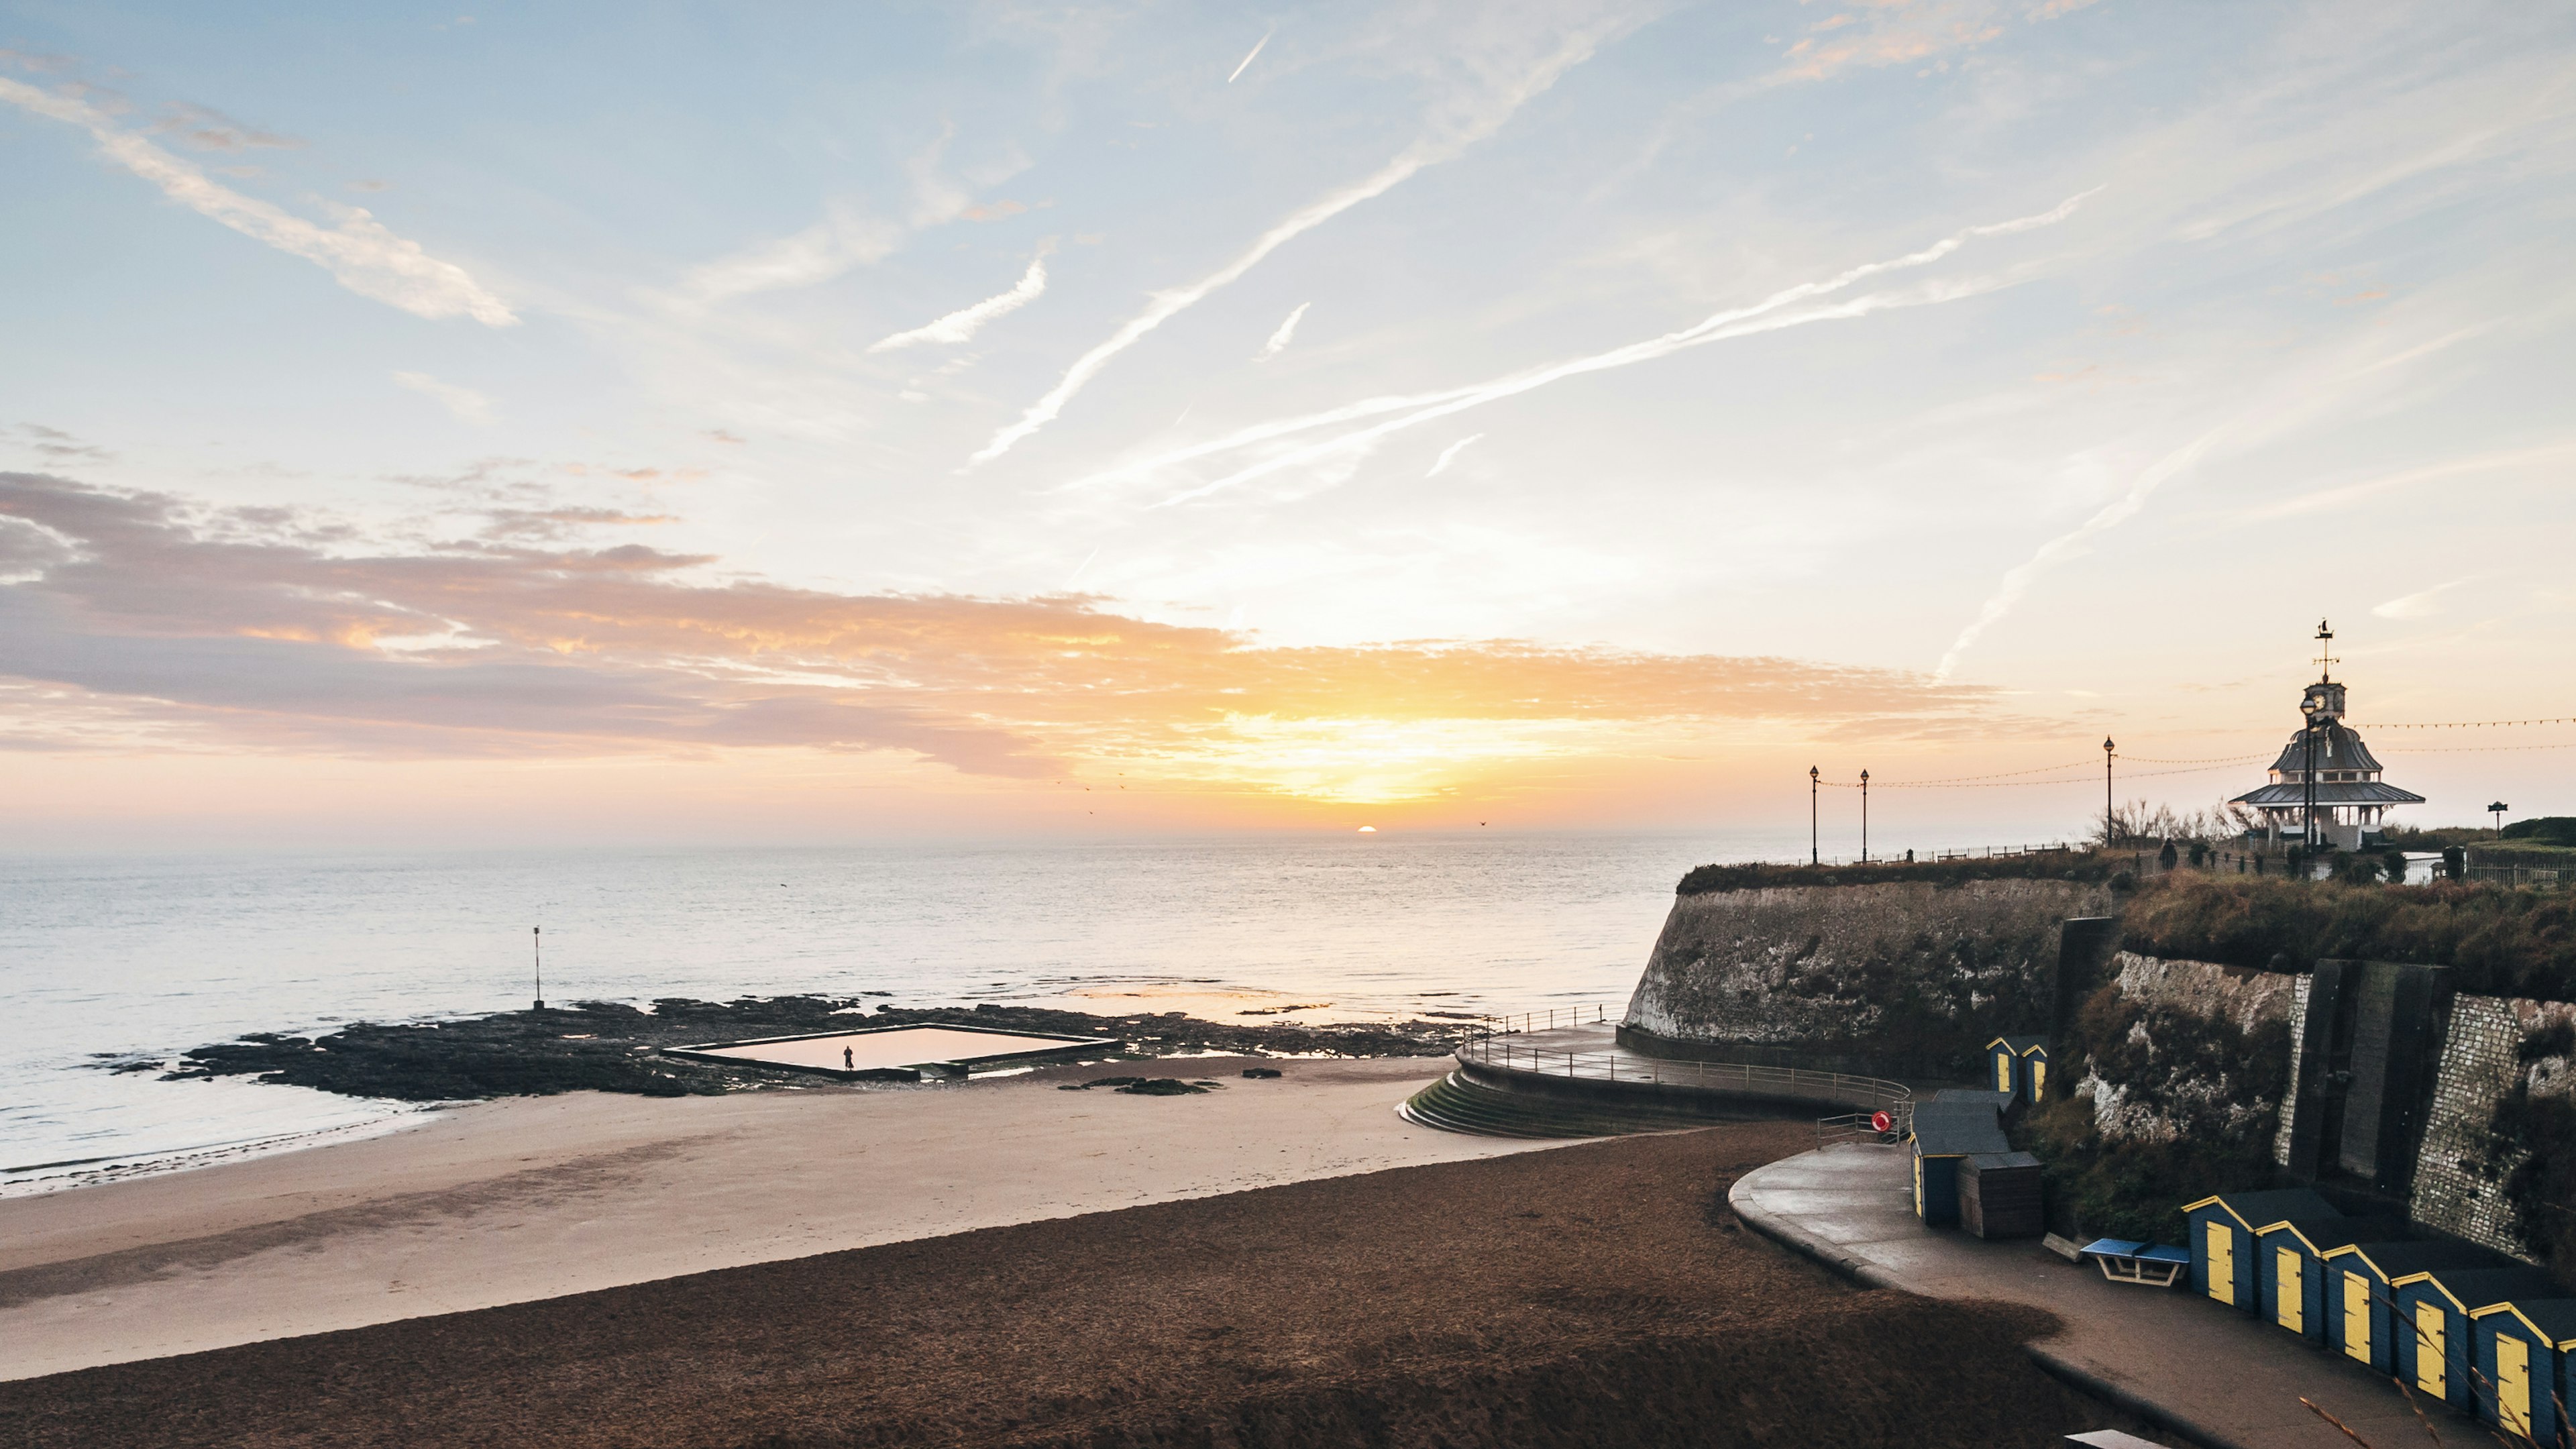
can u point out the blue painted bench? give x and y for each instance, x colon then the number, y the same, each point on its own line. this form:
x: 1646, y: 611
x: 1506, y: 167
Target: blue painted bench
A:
x: 2158, y: 1265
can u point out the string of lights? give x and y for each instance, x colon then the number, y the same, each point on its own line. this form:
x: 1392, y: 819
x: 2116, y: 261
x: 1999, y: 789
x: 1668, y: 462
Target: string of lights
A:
x: 1987, y: 783
x: 2475, y: 749
x: 2474, y: 724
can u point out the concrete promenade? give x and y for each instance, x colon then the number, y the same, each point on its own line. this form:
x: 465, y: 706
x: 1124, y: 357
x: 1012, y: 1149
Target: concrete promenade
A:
x: 2203, y: 1372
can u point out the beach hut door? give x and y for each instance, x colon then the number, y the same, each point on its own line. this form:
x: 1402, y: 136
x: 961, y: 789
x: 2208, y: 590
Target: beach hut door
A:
x: 2513, y: 1384
x: 2356, y: 1317
x: 2430, y: 1363
x: 2285, y: 1290
x: 2003, y: 1072
x: 2038, y: 1078
x: 2222, y: 1261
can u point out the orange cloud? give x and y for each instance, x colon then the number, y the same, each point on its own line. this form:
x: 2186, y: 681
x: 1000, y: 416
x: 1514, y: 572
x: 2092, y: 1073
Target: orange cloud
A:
x: 254, y: 630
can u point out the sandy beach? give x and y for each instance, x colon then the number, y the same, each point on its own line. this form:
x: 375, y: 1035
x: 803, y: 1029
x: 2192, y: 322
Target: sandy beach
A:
x: 1596, y: 1295
x: 536, y: 1197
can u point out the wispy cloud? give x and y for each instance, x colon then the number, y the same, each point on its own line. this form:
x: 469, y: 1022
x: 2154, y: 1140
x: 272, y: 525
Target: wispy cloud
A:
x: 58, y: 447
x: 2420, y: 604
x: 1778, y: 311
x: 208, y: 129
x: 843, y: 239
x: 1449, y: 455
x: 849, y: 236
x: 358, y: 252
x: 256, y: 629
x: 965, y: 322
x: 1472, y: 126
x: 468, y: 405
x: 1286, y: 334
x: 1248, y: 55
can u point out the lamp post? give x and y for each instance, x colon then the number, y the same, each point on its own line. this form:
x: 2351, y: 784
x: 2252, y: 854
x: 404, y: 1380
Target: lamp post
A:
x: 2497, y: 810
x: 1813, y: 776
x: 2107, y: 747
x: 537, y: 945
x: 2308, y: 777
x: 1864, y: 817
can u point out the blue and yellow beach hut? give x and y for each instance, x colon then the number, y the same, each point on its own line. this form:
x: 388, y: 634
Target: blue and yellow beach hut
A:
x: 1952, y: 1126
x: 2018, y: 1066
x: 2521, y: 1352
x: 2293, y: 1273
x: 2361, y: 1321
x: 2432, y: 1311
x: 2223, y: 1265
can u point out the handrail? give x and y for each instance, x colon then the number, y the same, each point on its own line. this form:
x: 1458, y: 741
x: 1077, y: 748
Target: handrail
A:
x: 1745, y: 1077
x: 1551, y: 1019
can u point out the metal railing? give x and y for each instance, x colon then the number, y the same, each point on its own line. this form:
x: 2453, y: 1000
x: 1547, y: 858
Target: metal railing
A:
x: 1550, y: 1019
x: 1863, y: 1126
x: 2535, y: 876
x: 1742, y: 1078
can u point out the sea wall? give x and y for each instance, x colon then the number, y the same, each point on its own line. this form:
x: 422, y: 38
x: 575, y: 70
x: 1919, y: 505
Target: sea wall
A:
x: 1909, y: 978
x: 2500, y: 1055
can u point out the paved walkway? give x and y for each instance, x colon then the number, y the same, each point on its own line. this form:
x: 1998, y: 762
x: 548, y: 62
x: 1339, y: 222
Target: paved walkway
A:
x: 2205, y: 1372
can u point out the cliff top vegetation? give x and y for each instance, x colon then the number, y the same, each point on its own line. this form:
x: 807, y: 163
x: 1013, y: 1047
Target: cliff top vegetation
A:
x: 2043, y: 865
x: 2497, y: 942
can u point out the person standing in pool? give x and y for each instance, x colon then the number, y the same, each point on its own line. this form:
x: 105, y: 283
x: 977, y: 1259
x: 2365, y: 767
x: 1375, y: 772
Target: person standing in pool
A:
x: 848, y: 1062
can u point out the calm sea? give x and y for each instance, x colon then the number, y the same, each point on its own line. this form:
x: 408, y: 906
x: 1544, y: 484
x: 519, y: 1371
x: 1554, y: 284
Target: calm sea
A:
x: 109, y: 959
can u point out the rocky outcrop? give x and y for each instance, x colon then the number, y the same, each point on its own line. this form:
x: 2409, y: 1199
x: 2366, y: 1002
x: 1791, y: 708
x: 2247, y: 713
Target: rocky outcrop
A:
x: 1909, y: 978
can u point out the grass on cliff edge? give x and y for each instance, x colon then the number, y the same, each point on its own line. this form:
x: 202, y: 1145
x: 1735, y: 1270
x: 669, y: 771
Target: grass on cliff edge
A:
x: 2073, y: 865
x: 2497, y: 942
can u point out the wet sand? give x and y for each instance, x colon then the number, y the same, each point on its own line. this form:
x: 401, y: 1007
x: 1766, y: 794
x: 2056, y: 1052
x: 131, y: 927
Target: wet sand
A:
x: 536, y: 1197
x: 1596, y: 1295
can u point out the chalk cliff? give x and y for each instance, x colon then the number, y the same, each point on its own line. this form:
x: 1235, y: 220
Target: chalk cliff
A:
x: 1909, y: 977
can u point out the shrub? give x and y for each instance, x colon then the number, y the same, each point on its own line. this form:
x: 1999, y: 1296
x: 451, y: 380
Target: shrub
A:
x: 2544, y: 830
x: 2211, y: 1091
x: 2497, y: 942
x: 2043, y: 865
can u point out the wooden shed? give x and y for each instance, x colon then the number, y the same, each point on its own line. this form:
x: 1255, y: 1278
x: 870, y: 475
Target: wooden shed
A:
x: 2222, y: 1239
x: 2520, y: 1348
x: 2018, y: 1066
x: 1949, y: 1128
x: 2294, y: 1274
x: 2361, y: 1321
x: 1999, y: 1195
x: 2435, y: 1305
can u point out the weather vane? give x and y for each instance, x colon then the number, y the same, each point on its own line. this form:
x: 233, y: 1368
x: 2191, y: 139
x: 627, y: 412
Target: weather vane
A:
x: 2325, y: 655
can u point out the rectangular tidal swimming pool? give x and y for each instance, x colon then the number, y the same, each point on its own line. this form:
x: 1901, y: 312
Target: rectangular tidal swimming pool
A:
x: 900, y: 1048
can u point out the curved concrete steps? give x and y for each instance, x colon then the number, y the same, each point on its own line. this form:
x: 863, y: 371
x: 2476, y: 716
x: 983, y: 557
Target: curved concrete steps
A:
x: 1455, y: 1104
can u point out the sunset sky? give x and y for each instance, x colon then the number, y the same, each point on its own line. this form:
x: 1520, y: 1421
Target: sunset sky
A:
x: 739, y: 423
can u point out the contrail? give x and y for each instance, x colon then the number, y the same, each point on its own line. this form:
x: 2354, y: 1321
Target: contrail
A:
x: 1767, y: 315
x: 1256, y: 50
x: 1164, y: 306
x: 1447, y: 453
x: 1279, y: 340
x: 963, y: 323
x: 2118, y: 511
x: 2285, y: 407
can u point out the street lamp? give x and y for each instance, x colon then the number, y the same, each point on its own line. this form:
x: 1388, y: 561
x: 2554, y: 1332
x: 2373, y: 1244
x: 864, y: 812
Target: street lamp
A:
x: 2107, y: 747
x: 1864, y: 817
x: 2497, y: 810
x: 537, y: 948
x: 2308, y: 708
x: 1813, y: 776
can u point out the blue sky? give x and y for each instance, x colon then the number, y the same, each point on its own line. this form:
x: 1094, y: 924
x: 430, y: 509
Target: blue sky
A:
x: 2056, y: 366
